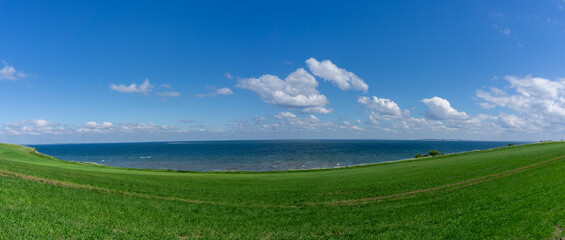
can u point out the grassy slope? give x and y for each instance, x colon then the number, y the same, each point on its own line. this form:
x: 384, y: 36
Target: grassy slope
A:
x: 129, y: 203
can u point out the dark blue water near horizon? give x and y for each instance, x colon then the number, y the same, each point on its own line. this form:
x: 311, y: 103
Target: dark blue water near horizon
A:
x: 261, y: 155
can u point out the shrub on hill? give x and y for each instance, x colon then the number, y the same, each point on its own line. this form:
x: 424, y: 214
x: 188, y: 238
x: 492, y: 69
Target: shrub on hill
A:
x: 434, y: 153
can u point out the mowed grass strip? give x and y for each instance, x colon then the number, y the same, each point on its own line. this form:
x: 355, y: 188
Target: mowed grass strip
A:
x: 516, y: 204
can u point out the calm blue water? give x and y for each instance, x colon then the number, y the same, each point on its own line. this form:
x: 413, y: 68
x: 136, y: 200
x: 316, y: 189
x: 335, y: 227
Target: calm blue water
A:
x: 253, y: 155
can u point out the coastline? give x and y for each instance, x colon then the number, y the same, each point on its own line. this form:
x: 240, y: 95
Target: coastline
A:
x: 278, y: 171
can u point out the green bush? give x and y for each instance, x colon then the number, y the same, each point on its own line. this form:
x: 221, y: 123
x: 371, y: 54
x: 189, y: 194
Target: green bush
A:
x: 418, y: 155
x: 511, y: 144
x: 434, y: 152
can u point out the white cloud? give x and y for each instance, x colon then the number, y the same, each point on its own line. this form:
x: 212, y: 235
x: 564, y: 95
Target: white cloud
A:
x: 287, y: 122
x: 39, y: 123
x: 33, y: 127
x: 224, y: 91
x: 168, y: 94
x: 308, y: 124
x: 511, y: 121
x: 440, y: 118
x: 298, y: 90
x: 228, y: 75
x: 537, y: 87
x: 221, y: 91
x: 282, y: 115
x: 535, y: 98
x: 385, y: 115
x: 130, y: 127
x: 320, y: 110
x: 381, y: 108
x: 144, y: 88
x: 342, y: 78
x: 480, y: 124
x: 44, y: 127
x: 8, y: 72
x: 357, y: 128
x: 440, y: 109
x: 411, y: 124
x: 96, y: 127
x: 144, y: 127
x: 487, y: 105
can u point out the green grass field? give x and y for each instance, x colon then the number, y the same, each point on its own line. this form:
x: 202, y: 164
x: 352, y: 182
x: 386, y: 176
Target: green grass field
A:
x: 506, y: 193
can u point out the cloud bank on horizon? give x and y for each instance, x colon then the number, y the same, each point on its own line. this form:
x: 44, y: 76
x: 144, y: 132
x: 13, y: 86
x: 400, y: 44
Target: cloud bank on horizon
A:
x: 530, y: 104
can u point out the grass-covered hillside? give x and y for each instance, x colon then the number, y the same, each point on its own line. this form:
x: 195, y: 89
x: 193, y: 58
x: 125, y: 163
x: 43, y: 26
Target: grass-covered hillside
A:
x: 507, y: 193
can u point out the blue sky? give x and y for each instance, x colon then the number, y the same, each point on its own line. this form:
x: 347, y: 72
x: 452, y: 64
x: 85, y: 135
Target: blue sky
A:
x: 113, y: 71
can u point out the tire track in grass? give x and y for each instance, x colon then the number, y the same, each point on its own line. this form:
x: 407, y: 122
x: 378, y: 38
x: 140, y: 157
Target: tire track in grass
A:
x: 397, y: 196
x: 58, y: 183
x: 448, y: 187
x: 6, y: 173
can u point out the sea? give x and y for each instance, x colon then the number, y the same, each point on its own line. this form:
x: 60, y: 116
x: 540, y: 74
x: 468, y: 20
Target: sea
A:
x: 264, y: 155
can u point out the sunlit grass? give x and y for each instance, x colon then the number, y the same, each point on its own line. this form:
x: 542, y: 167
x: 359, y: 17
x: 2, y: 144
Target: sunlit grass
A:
x: 42, y: 197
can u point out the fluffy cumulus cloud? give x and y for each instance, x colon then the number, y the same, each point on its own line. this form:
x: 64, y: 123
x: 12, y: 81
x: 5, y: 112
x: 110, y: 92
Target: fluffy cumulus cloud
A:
x: 537, y: 100
x: 385, y: 114
x: 343, y: 79
x: 8, y: 72
x: 381, y: 108
x: 144, y: 88
x: 440, y: 117
x: 297, y: 90
x: 440, y: 109
x: 534, y: 104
